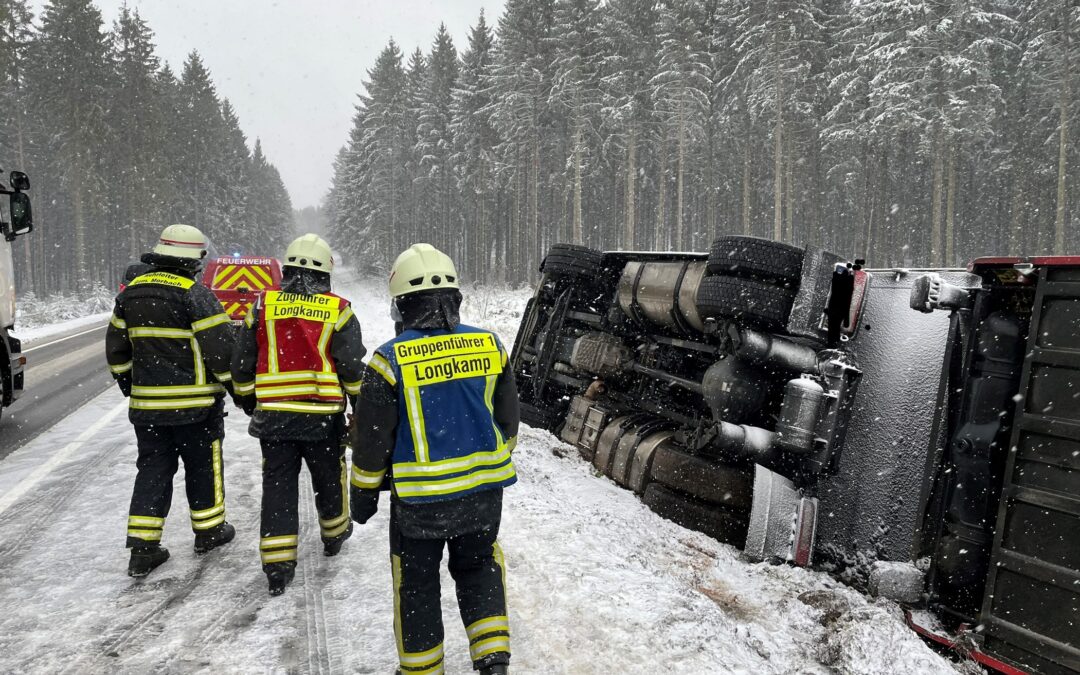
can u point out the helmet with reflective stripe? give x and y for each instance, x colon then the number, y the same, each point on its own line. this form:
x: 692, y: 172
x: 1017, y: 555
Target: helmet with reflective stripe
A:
x: 422, y: 267
x: 310, y: 252
x: 181, y: 241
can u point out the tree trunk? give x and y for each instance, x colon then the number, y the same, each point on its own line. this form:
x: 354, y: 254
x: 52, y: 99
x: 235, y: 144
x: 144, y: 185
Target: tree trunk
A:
x: 661, y: 201
x: 1016, y: 211
x: 579, y: 234
x: 935, y: 205
x: 746, y: 188
x: 778, y: 145
x: 680, y: 235
x: 1063, y: 135
x: 631, y: 178
x: 789, y: 193
x: 950, y: 209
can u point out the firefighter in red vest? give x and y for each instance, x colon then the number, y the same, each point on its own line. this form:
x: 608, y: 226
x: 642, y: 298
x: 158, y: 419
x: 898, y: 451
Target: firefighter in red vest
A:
x: 297, y: 359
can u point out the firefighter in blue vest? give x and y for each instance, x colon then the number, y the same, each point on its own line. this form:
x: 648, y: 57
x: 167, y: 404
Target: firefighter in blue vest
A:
x: 435, y: 423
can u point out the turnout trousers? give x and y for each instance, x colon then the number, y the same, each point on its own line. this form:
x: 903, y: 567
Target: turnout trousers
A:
x: 281, y: 474
x: 477, y: 567
x: 160, y: 450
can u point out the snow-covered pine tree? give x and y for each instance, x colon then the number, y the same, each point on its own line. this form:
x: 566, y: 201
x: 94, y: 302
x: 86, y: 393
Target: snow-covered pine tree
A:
x: 1051, y: 57
x: 576, y: 98
x: 474, y: 160
x: 520, y: 90
x: 435, y: 145
x: 680, y: 97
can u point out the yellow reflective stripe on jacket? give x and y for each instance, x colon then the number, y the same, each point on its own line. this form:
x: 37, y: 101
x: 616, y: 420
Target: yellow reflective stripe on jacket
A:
x: 176, y: 390
x: 324, y: 347
x: 296, y: 376
x: 223, y: 377
x: 210, y: 322
x: 150, y: 332
x: 122, y: 368
x: 243, y: 388
x: 382, y: 367
x: 311, y: 389
x: 301, y: 407
x: 367, y: 480
x: 447, y: 466
x: 171, y: 404
x: 351, y: 387
x: 489, y: 401
x: 118, y: 322
x: 345, y: 316
x: 430, y: 488
x: 414, y: 409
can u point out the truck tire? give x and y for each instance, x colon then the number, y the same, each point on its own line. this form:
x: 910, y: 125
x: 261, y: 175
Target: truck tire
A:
x: 726, y: 526
x: 759, y: 303
x: 720, y: 484
x: 753, y: 257
x: 539, y: 418
x: 568, y: 260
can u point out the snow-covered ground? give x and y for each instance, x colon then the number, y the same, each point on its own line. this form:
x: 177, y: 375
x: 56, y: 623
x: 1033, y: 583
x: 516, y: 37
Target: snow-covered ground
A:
x: 597, y: 582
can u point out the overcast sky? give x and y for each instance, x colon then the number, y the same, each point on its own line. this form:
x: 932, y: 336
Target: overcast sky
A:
x: 292, y: 69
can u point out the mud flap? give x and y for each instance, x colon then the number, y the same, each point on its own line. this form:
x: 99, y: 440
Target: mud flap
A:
x: 783, y: 522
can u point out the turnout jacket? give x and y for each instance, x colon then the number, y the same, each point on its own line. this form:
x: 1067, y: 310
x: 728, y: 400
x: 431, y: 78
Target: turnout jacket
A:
x: 298, y: 357
x: 169, y: 344
x: 436, y: 422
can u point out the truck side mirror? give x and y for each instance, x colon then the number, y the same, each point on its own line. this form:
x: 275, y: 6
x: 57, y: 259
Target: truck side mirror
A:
x: 22, y: 218
x: 19, y: 181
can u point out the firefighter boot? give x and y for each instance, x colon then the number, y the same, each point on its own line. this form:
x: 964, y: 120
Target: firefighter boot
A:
x: 145, y: 558
x: 497, y: 669
x: 219, y: 535
x: 333, y: 547
x: 278, y: 576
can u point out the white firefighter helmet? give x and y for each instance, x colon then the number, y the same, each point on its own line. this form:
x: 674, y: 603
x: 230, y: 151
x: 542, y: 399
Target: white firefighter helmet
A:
x: 422, y: 267
x: 181, y: 241
x: 310, y: 252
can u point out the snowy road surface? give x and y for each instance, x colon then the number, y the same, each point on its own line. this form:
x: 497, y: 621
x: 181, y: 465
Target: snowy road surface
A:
x: 63, y: 371
x: 597, y: 583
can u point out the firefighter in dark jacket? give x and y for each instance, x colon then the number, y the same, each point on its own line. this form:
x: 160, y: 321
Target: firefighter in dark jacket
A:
x: 299, y: 356
x: 169, y: 345
x: 436, y: 420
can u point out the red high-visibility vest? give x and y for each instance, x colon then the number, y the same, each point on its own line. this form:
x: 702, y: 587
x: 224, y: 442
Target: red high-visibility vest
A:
x: 294, y: 372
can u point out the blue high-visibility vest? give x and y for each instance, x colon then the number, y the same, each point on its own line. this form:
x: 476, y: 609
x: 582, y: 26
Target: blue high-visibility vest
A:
x: 448, y: 442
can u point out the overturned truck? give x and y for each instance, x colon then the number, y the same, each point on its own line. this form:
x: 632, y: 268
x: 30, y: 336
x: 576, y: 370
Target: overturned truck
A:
x: 917, y: 431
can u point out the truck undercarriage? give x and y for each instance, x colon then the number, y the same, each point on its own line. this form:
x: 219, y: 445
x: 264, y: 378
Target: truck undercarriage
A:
x: 795, y: 405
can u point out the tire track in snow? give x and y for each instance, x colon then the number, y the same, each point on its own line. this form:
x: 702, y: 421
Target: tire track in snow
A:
x: 320, y: 656
x: 62, y: 491
x: 122, y: 640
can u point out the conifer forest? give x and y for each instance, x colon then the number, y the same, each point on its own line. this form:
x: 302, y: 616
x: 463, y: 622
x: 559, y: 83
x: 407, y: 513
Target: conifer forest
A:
x: 907, y: 132
x: 117, y: 145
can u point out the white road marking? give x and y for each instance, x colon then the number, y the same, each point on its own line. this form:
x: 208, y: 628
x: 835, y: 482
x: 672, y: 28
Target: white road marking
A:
x: 56, y: 460
x: 49, y: 344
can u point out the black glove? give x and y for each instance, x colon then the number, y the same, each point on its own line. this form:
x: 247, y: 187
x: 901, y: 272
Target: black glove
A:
x: 245, y: 403
x: 124, y: 382
x: 363, y: 504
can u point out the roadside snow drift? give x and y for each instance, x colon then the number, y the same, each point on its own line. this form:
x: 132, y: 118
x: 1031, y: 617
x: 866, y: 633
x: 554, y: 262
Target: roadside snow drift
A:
x: 597, y: 582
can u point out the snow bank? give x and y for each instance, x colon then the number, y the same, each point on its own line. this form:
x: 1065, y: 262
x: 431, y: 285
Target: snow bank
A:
x: 33, y: 312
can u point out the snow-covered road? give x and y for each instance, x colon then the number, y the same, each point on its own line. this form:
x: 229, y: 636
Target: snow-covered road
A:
x: 597, y: 583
